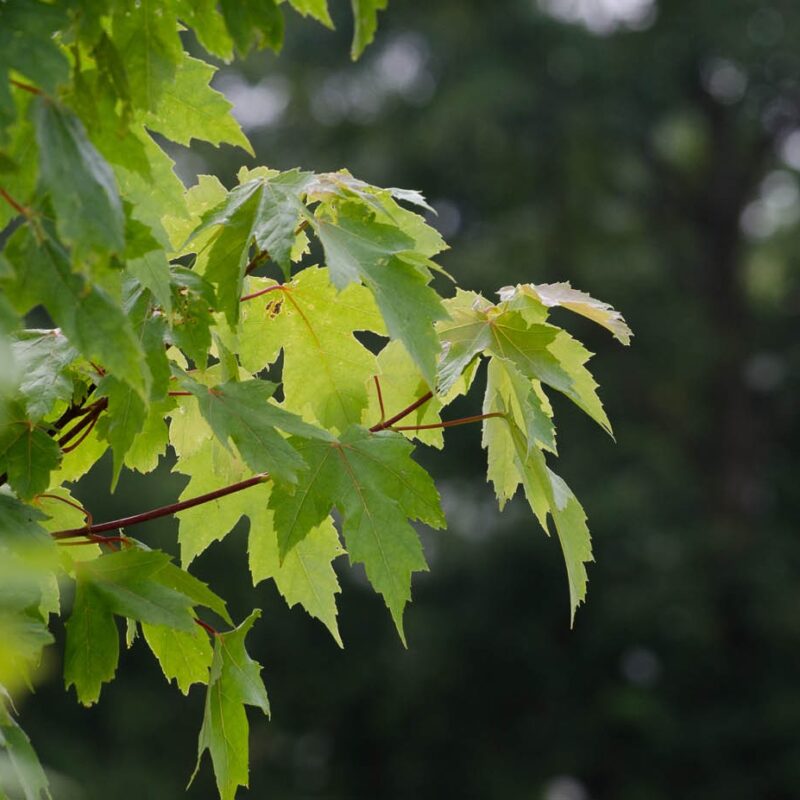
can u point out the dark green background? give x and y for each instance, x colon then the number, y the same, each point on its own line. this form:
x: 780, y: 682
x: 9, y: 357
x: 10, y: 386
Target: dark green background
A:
x: 653, y: 165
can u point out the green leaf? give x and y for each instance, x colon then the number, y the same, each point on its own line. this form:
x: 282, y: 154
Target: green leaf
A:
x: 27, y: 45
x: 190, y: 323
x: 358, y: 248
x: 130, y: 585
x: 377, y: 487
x: 151, y: 442
x: 365, y: 14
x: 43, y: 358
x: 79, y: 181
x: 23, y: 635
x: 94, y: 323
x: 326, y: 369
x: 146, y: 34
x: 539, y: 351
x: 306, y: 575
x: 251, y: 23
x: 465, y: 335
x: 190, y: 109
x: 19, y: 159
x: 24, y: 761
x: 155, y: 192
x: 522, y: 401
x: 208, y: 25
x: 198, y: 592
x: 184, y: 656
x: 124, y: 419
x: 243, y: 413
x: 92, y: 648
x: 27, y: 454
x: 562, y: 294
x: 208, y: 466
x: 318, y: 9
x: 574, y: 536
x: 147, y: 261
x: 265, y: 211
x: 235, y: 682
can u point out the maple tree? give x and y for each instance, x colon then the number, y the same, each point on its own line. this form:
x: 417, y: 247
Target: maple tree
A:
x: 201, y: 321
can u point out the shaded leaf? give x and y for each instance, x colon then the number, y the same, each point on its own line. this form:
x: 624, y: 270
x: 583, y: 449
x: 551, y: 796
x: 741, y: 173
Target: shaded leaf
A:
x: 80, y: 182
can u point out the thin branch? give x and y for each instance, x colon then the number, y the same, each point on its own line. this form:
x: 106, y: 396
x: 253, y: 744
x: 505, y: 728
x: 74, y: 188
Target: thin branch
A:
x: 85, y: 511
x: 452, y: 423
x: 88, y: 421
x: 25, y: 87
x: 259, y: 258
x: 382, y: 426
x: 275, y: 288
x: 380, y: 397
x: 163, y: 511
x: 206, y: 627
x: 18, y: 207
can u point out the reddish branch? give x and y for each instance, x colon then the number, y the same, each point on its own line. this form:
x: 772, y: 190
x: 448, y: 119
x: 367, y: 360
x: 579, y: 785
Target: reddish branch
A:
x: 206, y: 627
x: 275, y: 288
x: 163, y: 511
x: 85, y: 426
x: 255, y: 261
x: 380, y: 397
x: 25, y: 87
x: 448, y: 423
x: 18, y: 207
x: 382, y: 426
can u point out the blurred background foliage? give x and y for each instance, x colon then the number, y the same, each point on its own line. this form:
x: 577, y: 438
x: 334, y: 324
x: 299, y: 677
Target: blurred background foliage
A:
x: 647, y: 151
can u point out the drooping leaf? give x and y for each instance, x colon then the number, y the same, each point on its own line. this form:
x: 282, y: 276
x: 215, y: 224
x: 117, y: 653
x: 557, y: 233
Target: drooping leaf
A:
x: 184, y: 656
x: 130, y: 584
x: 253, y: 23
x: 24, y: 762
x: 27, y: 454
x: 235, y: 682
x: 208, y: 467
x: 318, y: 9
x: 306, y: 574
x: 43, y: 358
x: 124, y: 419
x: 365, y: 15
x: 80, y: 182
x: 146, y: 34
x: 27, y: 46
x: 92, y: 321
x: 92, y: 648
x: 378, y: 488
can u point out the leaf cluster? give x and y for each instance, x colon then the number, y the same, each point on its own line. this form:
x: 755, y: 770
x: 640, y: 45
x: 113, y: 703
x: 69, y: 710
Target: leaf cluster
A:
x: 227, y: 326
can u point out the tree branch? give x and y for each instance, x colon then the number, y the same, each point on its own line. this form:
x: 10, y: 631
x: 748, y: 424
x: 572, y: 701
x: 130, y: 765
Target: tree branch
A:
x: 163, y: 511
x: 18, y: 207
x: 382, y: 426
x: 452, y: 423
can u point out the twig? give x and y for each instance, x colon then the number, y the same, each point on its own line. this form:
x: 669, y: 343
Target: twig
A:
x: 18, y: 207
x: 380, y: 397
x: 382, y: 426
x: 25, y: 86
x: 163, y: 511
x: 275, y: 288
x: 448, y: 423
